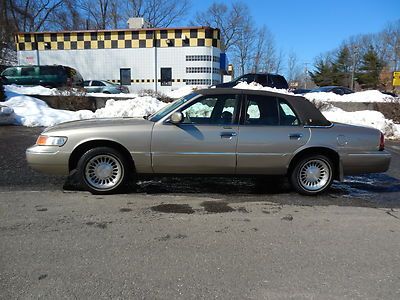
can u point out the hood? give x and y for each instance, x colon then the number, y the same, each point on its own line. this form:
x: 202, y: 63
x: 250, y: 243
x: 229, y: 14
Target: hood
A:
x: 92, y: 123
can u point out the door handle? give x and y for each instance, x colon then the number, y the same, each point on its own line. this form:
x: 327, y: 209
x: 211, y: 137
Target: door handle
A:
x: 295, y: 136
x: 228, y: 135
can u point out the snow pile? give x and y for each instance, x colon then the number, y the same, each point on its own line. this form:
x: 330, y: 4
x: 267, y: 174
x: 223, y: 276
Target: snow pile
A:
x: 138, y: 107
x: 365, y: 96
x: 179, y: 93
x: 32, y: 112
x: 31, y: 90
x: 43, y: 91
x: 256, y: 86
x: 6, y: 115
x: 370, y: 118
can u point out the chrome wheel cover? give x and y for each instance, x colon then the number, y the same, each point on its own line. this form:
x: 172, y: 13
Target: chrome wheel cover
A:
x: 314, y: 175
x: 103, y: 172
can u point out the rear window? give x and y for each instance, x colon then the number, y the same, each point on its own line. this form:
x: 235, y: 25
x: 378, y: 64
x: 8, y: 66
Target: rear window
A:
x: 10, y: 72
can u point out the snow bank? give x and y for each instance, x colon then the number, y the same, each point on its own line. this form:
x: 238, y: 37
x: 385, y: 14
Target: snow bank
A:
x: 30, y: 90
x: 179, y: 93
x: 32, y: 112
x: 365, y: 96
x: 370, y: 118
x: 258, y: 87
x: 138, y: 107
x: 40, y: 90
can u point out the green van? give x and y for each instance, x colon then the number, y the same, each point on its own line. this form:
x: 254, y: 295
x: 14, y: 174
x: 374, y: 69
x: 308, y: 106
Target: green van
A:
x: 48, y: 76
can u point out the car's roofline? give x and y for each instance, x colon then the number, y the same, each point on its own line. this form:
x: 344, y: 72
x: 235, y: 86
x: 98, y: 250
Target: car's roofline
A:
x: 307, y: 112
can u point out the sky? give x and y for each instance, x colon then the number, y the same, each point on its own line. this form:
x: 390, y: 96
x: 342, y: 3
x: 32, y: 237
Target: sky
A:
x: 312, y: 27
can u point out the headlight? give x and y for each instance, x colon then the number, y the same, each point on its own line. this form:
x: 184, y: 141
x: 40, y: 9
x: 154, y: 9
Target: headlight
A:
x: 44, y: 140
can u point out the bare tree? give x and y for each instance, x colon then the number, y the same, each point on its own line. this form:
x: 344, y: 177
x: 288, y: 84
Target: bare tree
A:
x: 259, y: 48
x: 244, y: 48
x: 293, y: 69
x: 159, y: 13
x: 229, y: 20
x: 98, y: 13
x: 32, y: 15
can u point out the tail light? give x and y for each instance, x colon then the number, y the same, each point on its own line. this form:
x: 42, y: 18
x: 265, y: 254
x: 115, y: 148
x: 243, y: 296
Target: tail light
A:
x: 382, y: 142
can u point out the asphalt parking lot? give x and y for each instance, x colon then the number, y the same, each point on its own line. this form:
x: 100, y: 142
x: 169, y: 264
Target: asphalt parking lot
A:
x: 180, y: 238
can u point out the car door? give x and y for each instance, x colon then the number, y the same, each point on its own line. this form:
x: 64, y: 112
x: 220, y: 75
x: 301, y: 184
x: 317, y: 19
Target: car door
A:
x: 203, y: 143
x: 269, y: 134
x: 97, y: 86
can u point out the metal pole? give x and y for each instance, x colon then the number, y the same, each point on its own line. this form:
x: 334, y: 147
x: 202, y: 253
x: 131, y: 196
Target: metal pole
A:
x: 155, y: 61
x: 353, y: 67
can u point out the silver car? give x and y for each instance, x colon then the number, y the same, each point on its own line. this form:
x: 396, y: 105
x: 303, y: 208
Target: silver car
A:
x: 102, y: 86
x: 213, y: 131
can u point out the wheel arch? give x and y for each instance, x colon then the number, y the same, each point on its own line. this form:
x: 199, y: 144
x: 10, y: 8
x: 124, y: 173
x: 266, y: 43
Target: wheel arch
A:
x: 328, y: 152
x: 87, y: 145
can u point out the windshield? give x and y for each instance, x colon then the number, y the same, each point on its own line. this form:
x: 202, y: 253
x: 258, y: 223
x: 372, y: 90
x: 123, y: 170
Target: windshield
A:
x: 169, y: 108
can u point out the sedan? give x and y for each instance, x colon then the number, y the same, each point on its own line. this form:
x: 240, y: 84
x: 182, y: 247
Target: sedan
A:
x: 102, y: 86
x: 339, y: 90
x: 216, y: 132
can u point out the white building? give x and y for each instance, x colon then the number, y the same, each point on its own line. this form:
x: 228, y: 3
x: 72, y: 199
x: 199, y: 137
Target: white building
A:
x: 161, y: 59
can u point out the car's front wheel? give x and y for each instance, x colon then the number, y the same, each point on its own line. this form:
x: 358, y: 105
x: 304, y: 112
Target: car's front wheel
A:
x: 103, y: 170
x: 312, y: 175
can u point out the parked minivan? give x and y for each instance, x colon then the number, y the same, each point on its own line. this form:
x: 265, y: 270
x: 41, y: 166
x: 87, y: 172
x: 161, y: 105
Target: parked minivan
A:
x: 48, y: 76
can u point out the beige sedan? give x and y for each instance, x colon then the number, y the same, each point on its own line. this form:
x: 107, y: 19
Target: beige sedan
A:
x: 217, y: 132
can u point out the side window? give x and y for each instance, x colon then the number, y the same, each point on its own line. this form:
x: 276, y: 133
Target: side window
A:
x: 286, y: 114
x: 86, y: 83
x: 219, y: 109
x: 246, y: 78
x: 97, y: 83
x: 166, y: 76
x: 27, y: 71
x: 46, y: 70
x: 261, y: 110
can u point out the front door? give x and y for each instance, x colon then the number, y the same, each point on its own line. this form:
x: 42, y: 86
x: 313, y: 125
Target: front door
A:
x: 204, y: 143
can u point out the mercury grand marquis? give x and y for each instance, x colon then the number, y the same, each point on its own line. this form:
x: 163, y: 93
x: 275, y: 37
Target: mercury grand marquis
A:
x: 217, y: 132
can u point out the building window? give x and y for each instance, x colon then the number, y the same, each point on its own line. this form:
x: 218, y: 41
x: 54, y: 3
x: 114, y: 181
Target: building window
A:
x: 201, y: 70
x: 166, y: 76
x: 202, y: 58
x: 125, y: 76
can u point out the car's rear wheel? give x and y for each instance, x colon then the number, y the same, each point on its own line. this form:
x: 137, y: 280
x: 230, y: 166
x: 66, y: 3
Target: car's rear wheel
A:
x: 312, y: 175
x: 103, y: 170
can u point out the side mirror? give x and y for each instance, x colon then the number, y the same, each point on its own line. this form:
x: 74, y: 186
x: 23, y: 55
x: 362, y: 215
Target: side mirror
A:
x: 176, y: 117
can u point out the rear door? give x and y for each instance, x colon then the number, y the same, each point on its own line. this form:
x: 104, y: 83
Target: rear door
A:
x: 269, y: 134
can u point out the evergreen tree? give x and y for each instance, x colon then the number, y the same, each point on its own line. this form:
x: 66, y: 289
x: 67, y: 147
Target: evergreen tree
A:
x: 2, y: 93
x: 341, y: 68
x: 370, y: 69
x: 323, y: 74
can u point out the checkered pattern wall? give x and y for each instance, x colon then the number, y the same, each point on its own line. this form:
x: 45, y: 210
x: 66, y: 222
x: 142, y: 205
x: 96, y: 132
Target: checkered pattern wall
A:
x: 118, y: 39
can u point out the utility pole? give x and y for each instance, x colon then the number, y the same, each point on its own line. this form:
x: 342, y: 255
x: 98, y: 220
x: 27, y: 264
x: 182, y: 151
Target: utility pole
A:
x: 353, y: 68
x: 305, y: 74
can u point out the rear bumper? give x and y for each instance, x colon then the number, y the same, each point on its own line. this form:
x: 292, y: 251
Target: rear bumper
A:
x: 48, y: 160
x: 363, y: 163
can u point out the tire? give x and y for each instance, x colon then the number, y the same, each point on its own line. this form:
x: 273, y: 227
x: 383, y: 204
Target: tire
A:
x: 103, y: 170
x: 312, y: 175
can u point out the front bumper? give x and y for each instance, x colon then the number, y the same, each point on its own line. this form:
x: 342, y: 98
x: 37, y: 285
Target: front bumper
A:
x: 363, y: 163
x: 48, y: 159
